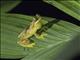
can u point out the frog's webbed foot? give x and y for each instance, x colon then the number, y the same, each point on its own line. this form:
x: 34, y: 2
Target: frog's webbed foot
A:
x: 40, y: 37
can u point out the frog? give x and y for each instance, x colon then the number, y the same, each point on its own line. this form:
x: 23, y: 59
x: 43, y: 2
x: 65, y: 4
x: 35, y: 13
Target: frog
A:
x: 27, y: 33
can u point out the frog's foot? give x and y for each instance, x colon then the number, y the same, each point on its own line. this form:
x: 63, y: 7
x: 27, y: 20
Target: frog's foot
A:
x: 40, y: 37
x: 31, y: 45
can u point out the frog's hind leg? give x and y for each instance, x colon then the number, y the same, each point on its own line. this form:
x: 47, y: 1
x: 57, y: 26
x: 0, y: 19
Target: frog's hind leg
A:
x: 40, y: 37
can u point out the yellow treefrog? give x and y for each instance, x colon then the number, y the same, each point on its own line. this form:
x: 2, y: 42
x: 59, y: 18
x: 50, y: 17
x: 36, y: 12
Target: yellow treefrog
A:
x: 24, y: 36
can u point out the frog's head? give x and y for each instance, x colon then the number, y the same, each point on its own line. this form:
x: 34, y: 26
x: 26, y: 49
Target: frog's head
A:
x: 26, y: 43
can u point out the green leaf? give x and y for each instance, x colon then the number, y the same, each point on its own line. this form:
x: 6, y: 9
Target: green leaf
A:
x: 59, y: 35
x: 7, y: 5
x: 57, y: 42
x: 71, y: 50
x: 70, y: 7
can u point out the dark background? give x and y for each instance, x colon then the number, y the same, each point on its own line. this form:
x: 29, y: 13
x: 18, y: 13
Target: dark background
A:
x: 33, y: 7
